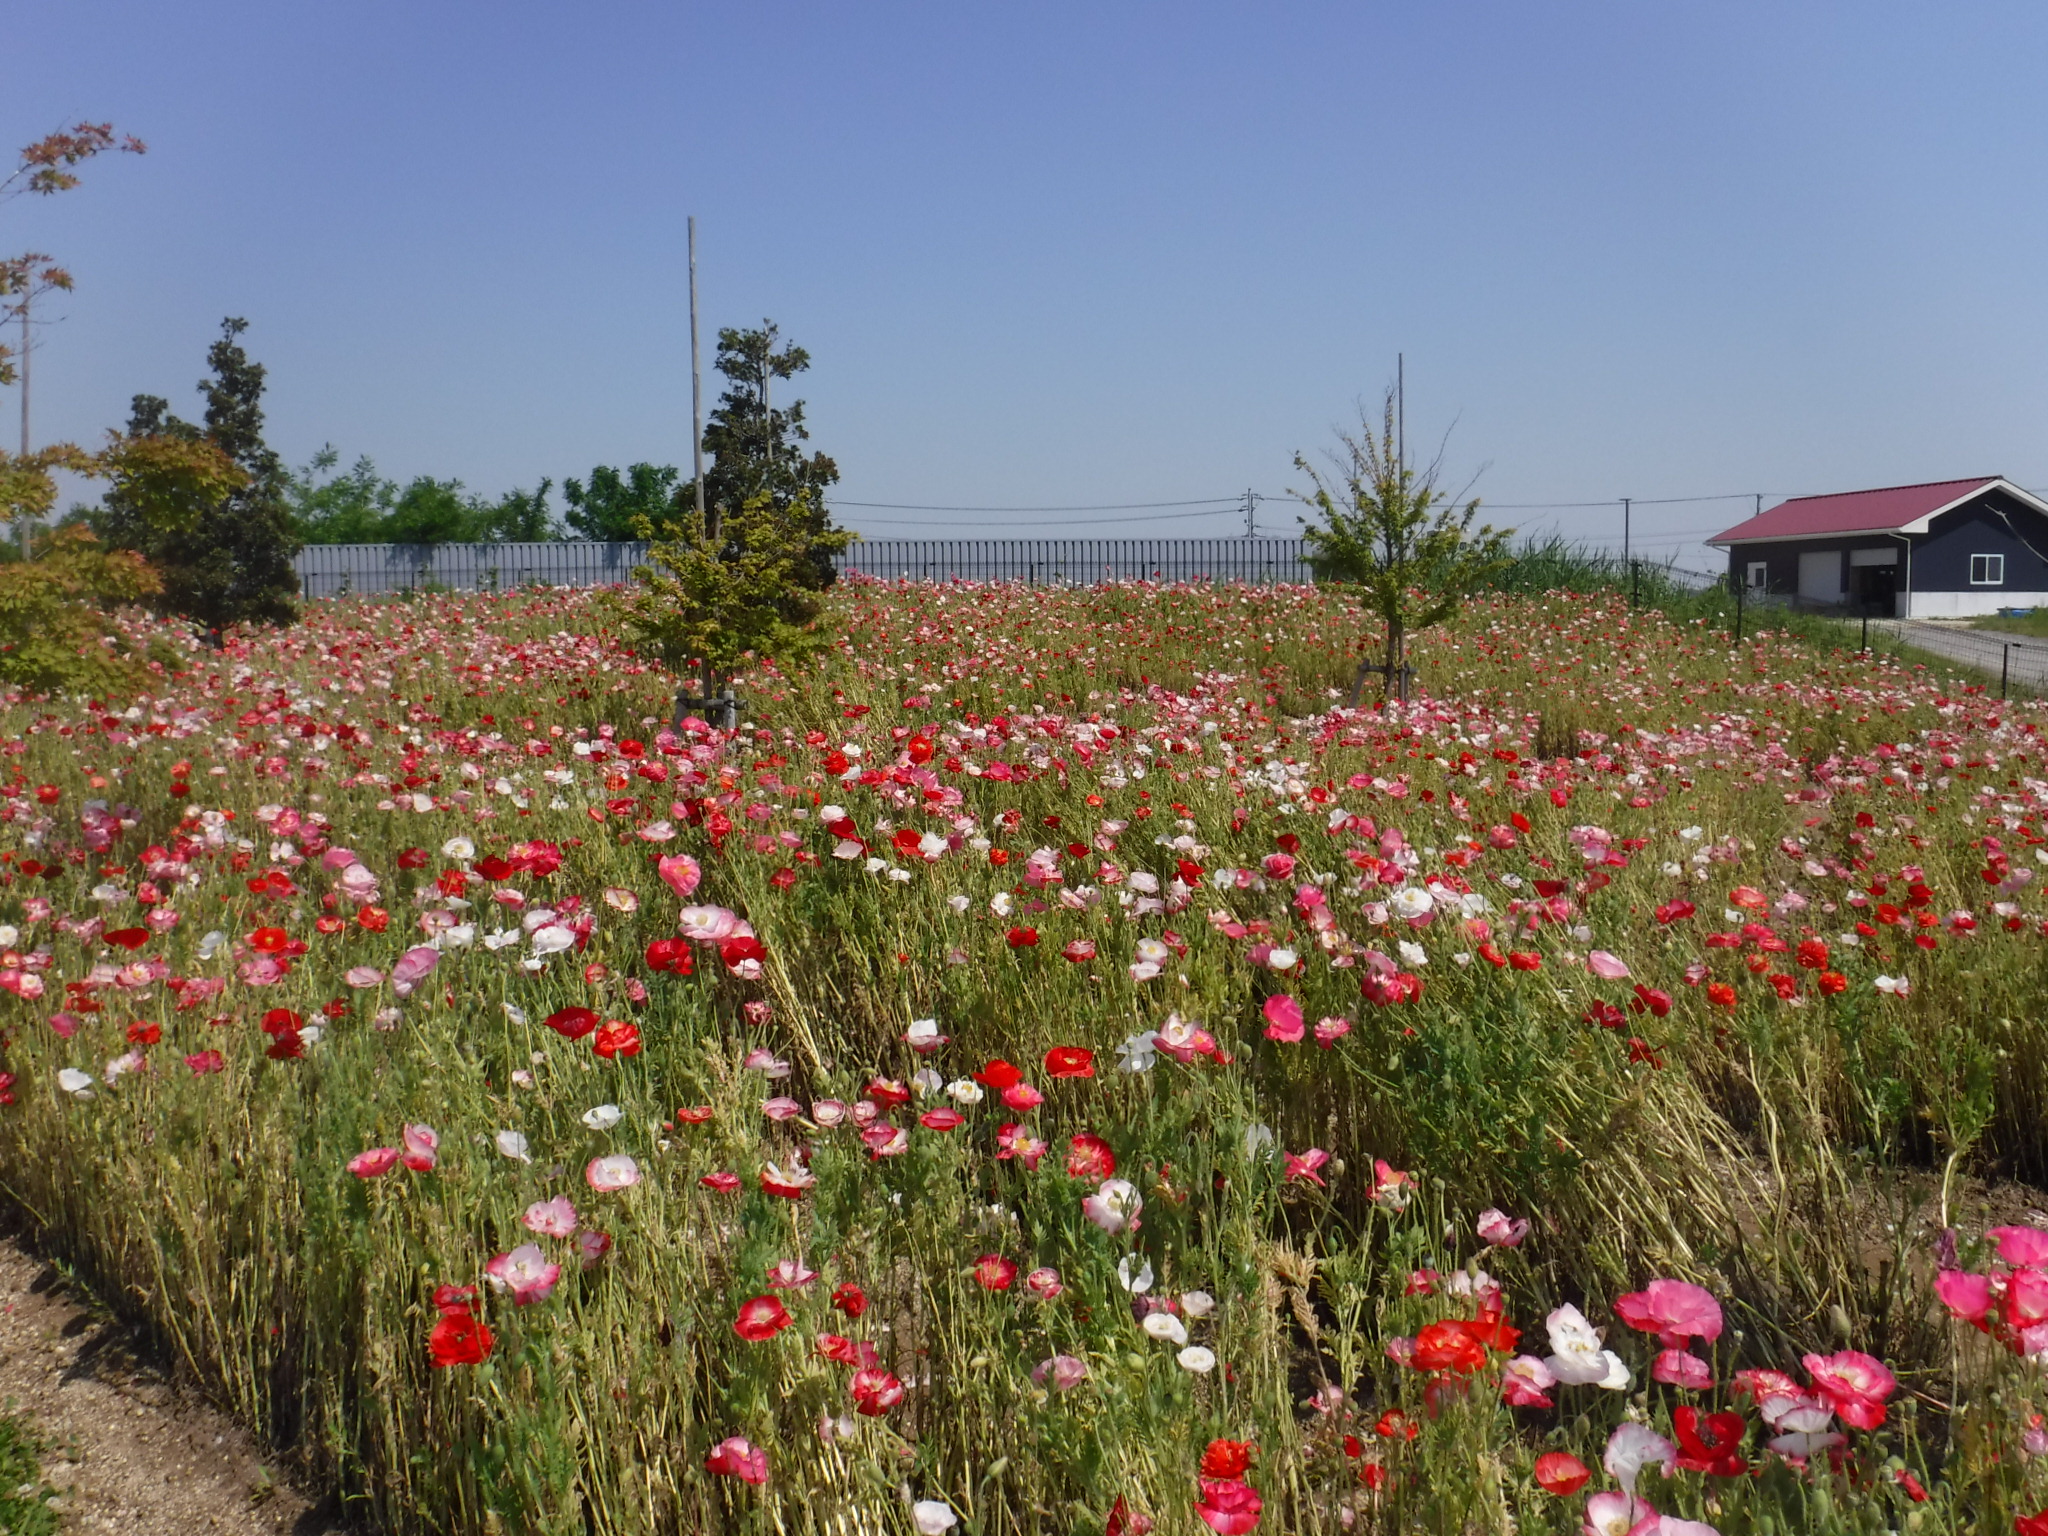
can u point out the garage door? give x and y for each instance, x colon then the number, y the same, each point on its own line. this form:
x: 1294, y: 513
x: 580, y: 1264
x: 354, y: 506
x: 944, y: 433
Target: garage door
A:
x: 1820, y: 576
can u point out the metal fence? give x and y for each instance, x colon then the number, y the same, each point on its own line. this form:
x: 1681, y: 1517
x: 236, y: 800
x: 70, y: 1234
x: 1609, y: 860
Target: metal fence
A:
x: 2018, y: 663
x: 338, y: 570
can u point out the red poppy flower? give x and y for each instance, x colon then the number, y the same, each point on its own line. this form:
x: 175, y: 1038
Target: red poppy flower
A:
x: 269, y: 941
x: 459, y: 1339
x: 724, y: 1183
x: 850, y: 1299
x: 671, y: 955
x: 1447, y: 1347
x: 615, y: 1038
x: 1560, y: 1474
x: 1069, y: 1061
x: 696, y: 1116
x: 373, y: 919
x: 281, y: 1021
x: 944, y: 1118
x: 999, y: 1074
x: 993, y: 1272
x: 874, y: 1392
x: 1227, y: 1458
x: 839, y: 1350
x: 129, y: 938
x: 761, y: 1319
x: 572, y: 1023
x: 1023, y: 938
x: 145, y: 1034
x: 1716, y: 1452
x: 491, y: 868
x: 1090, y: 1157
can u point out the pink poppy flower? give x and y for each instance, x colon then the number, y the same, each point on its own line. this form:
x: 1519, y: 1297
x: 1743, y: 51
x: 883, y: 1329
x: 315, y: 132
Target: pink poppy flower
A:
x: 790, y: 1185
x: 1525, y: 1382
x: 1062, y: 1372
x: 1330, y: 1030
x: 1607, y: 967
x: 1679, y: 1368
x: 378, y: 1160
x: 740, y: 1458
x: 1619, y: 1514
x: 203, y: 1062
x: 1497, y: 1230
x: 1283, y: 1019
x: 1674, y: 1310
x: 1228, y: 1507
x: 525, y: 1272
x: 361, y: 976
x: 680, y: 873
x: 1303, y: 1166
x: 618, y: 1171
x: 874, y: 1392
x: 551, y: 1218
x: 414, y: 967
x: 422, y: 1145
x: 591, y: 1247
x: 1080, y: 951
x: 790, y: 1275
x: 1045, y: 1284
x: 2020, y: 1245
x: 1854, y: 1384
x: 993, y: 1272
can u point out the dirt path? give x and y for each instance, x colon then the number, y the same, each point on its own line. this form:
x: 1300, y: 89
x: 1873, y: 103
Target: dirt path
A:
x: 131, y: 1452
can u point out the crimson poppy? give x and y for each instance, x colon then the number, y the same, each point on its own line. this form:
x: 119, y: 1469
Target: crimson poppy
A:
x: 459, y: 1339
x: 761, y: 1319
x: 1227, y: 1458
x: 615, y: 1038
x: 1561, y: 1474
x: 572, y: 1023
x: 129, y: 938
x: 1069, y: 1061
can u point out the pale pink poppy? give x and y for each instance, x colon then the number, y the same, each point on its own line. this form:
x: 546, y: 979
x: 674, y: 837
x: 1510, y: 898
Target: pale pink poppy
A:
x: 525, y: 1272
x: 551, y: 1218
x: 361, y: 976
x: 1633, y: 1447
x: 1498, y: 1230
x: 1680, y: 1368
x: 414, y: 966
x: 1618, y: 1514
x: 1114, y: 1206
x: 606, y: 1174
x: 422, y: 1144
x: 593, y: 1246
x: 1607, y: 967
x: 1045, y: 1284
x: 1525, y: 1382
x: 1062, y: 1372
x: 707, y: 925
x: 790, y: 1275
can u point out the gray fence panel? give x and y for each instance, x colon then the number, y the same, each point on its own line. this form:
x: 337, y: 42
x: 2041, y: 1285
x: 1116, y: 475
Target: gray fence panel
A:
x: 338, y: 570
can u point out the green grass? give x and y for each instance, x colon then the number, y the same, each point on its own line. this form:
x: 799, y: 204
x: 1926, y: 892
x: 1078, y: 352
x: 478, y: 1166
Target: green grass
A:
x: 2034, y: 624
x: 24, y: 1510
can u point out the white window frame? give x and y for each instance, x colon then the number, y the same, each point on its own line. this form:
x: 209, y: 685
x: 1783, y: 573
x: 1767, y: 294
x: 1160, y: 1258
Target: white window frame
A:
x: 1993, y: 567
x: 1759, y: 575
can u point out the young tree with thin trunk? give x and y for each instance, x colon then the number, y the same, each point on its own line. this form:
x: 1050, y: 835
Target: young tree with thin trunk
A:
x: 1389, y: 531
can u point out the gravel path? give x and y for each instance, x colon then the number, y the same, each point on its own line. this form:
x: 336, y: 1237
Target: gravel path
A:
x: 1981, y: 650
x: 132, y: 1453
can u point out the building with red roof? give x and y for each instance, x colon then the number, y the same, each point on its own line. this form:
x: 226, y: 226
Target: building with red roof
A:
x: 1947, y: 549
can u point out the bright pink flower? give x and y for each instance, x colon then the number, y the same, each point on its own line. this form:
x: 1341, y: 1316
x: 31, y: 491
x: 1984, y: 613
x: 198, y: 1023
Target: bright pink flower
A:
x: 1283, y: 1019
x: 414, y: 967
x: 736, y: 1457
x: 1966, y: 1295
x: 2020, y: 1245
x: 1044, y: 1283
x: 1854, y: 1384
x: 525, y: 1272
x: 1330, y: 1030
x: 1228, y: 1506
x: 681, y: 873
x: 1303, y: 1166
x: 1674, y: 1310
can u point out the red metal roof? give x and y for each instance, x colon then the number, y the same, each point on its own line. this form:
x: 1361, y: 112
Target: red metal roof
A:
x: 1891, y: 507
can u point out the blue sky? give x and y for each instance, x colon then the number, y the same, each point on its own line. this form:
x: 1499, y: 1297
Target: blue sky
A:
x: 1064, y: 254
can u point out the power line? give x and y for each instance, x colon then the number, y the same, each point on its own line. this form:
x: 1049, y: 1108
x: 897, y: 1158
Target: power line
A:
x: 1076, y: 522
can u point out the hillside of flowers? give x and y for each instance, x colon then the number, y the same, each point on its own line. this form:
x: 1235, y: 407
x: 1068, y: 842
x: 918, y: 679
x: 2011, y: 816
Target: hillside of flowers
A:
x: 1054, y: 1069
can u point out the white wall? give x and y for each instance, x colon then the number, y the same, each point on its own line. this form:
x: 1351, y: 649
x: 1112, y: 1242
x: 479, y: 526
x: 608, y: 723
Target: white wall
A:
x: 1968, y: 605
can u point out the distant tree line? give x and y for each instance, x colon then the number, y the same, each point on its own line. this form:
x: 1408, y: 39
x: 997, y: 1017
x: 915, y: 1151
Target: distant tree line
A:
x: 754, y: 446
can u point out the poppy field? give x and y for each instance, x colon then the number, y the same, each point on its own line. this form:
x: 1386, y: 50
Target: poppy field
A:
x: 1054, y: 1069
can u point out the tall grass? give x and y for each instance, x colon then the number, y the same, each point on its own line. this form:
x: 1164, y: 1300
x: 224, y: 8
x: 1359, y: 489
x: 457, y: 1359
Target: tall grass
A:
x: 1795, y: 1158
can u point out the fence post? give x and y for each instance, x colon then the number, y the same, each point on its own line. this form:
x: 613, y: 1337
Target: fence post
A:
x: 2004, y: 667
x: 1739, y: 584
x: 1866, y: 630
x: 1635, y: 583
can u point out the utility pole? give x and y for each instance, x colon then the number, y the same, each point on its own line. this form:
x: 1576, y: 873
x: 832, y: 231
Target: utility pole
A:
x: 27, y: 291
x: 1624, y: 529
x: 1401, y: 408
x: 1250, y: 504
x: 696, y: 378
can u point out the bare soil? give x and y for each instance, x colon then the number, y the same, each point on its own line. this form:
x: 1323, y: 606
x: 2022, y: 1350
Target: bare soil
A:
x: 132, y: 1450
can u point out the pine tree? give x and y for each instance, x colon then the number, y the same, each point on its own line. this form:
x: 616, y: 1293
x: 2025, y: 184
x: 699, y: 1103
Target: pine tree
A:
x: 233, y: 563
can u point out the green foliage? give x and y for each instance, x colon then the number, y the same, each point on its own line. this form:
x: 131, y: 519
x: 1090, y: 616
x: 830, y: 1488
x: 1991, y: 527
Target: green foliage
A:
x: 746, y: 586
x: 608, y: 507
x: 54, y: 637
x: 23, y: 1494
x: 1389, y: 531
x: 359, y: 506
x: 231, y: 563
x: 755, y: 446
